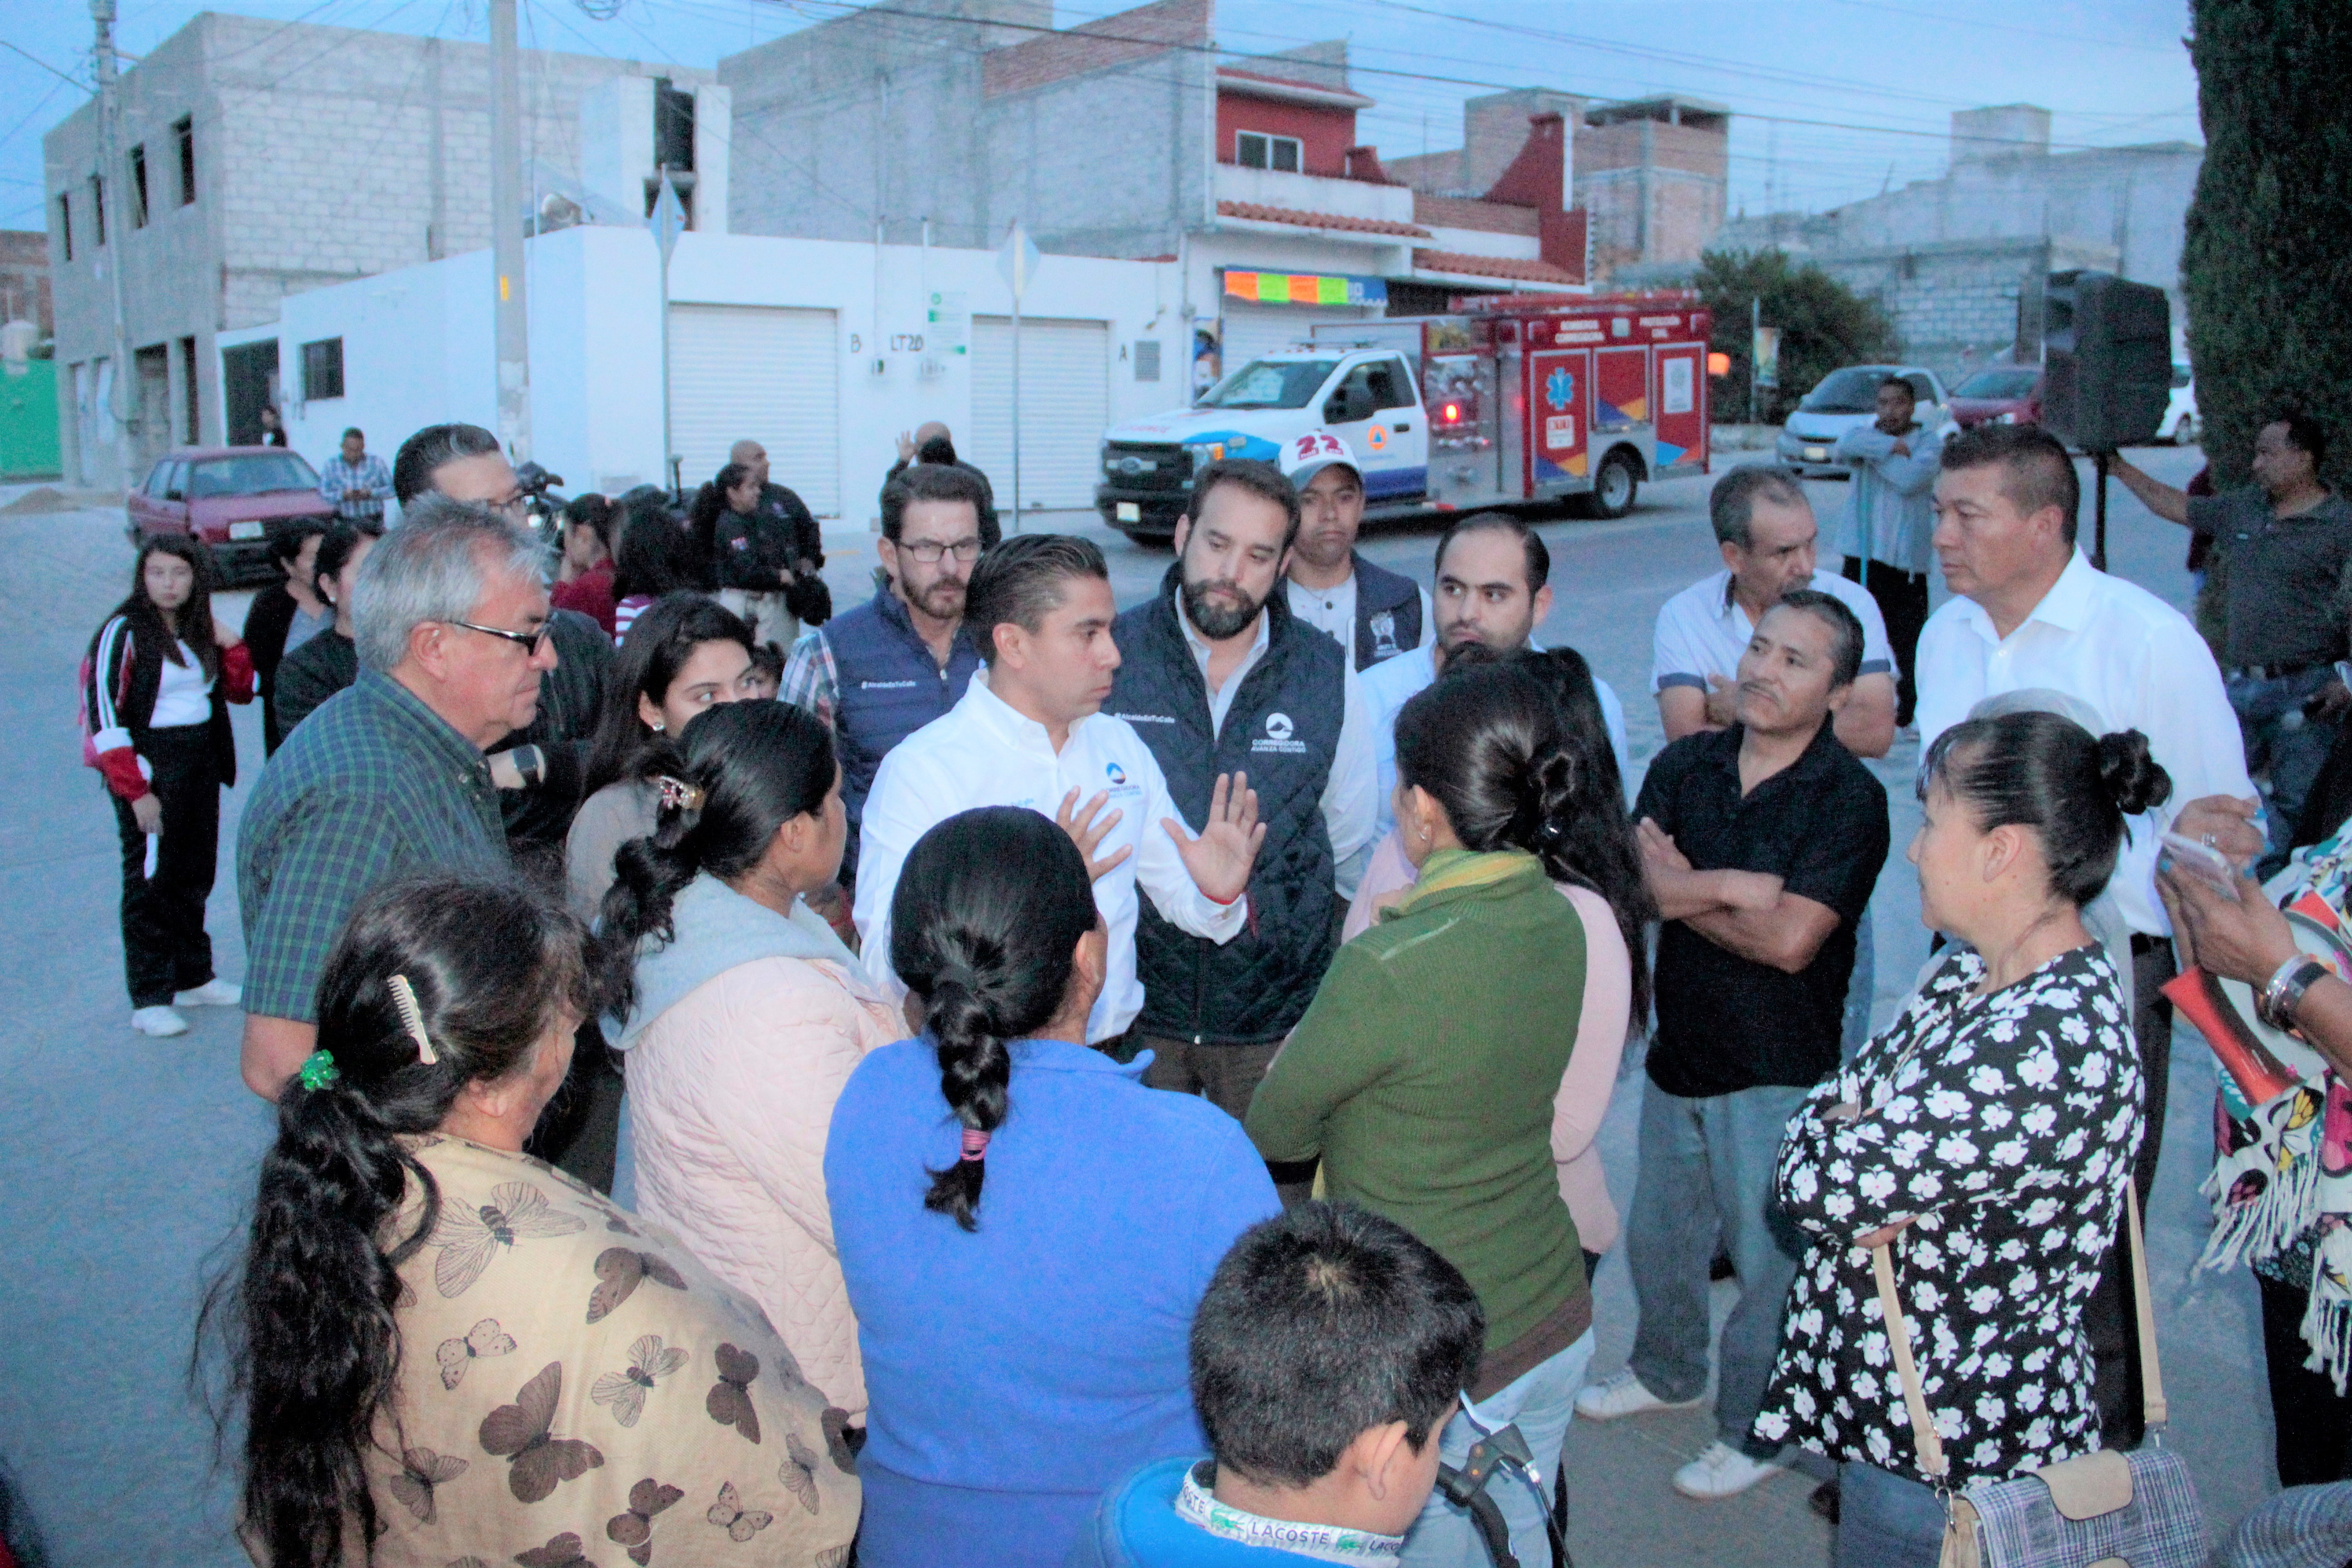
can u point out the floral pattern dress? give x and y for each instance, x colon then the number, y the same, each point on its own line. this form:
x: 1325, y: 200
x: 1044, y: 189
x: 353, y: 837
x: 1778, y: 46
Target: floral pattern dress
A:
x: 575, y: 1390
x: 2004, y: 1127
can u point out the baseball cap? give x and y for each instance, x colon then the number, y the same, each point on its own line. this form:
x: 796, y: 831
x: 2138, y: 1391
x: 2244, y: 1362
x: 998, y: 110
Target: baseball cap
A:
x: 1305, y: 456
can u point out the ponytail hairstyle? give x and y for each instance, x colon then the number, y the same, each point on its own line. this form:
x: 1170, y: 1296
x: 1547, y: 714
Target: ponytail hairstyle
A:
x: 737, y: 775
x: 194, y: 618
x: 311, y: 1320
x: 985, y: 925
x: 2044, y: 772
x: 661, y: 639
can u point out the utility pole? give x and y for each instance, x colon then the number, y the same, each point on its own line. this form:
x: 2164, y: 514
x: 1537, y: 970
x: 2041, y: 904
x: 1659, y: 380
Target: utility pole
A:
x: 109, y: 160
x: 506, y: 231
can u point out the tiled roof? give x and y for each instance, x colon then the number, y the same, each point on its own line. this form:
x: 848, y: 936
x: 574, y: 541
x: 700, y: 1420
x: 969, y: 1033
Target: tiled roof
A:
x: 1511, y: 266
x: 1259, y: 213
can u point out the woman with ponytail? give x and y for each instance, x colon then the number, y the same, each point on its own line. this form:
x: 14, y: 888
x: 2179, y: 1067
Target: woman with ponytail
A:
x: 1986, y: 1137
x: 1025, y: 1227
x: 1429, y: 1073
x: 740, y: 1015
x: 445, y: 1350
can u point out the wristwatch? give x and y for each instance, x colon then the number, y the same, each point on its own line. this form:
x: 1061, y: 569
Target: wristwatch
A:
x: 2277, y: 1001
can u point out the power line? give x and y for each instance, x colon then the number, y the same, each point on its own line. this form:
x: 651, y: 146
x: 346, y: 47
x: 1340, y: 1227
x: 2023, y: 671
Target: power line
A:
x: 44, y: 65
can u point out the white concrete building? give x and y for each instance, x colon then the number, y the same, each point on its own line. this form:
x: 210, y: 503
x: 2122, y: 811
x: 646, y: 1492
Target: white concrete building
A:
x: 822, y: 350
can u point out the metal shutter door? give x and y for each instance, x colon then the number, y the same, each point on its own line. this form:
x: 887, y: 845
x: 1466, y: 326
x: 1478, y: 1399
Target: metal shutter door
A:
x: 1065, y: 408
x: 751, y: 372
x: 1252, y: 330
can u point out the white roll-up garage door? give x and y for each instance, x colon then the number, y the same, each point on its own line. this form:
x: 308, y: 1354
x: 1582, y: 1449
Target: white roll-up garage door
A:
x: 1064, y: 407
x: 1251, y: 330
x: 756, y: 373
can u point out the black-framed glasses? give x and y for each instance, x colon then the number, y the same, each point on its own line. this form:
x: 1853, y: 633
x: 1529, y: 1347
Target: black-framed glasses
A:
x: 533, y: 641
x: 929, y: 551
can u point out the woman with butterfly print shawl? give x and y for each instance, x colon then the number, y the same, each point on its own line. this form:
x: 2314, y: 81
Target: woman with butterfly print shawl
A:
x: 450, y: 1353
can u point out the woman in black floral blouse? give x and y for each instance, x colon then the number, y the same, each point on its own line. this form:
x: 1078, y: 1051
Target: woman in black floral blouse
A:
x: 1988, y: 1134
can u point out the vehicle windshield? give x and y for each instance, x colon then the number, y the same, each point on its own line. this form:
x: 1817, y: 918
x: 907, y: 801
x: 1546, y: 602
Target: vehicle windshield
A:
x: 251, y: 476
x: 2000, y: 384
x: 1270, y: 384
x: 1853, y: 390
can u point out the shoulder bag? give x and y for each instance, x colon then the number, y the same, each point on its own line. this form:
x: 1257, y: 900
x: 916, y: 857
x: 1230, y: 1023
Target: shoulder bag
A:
x: 2104, y: 1509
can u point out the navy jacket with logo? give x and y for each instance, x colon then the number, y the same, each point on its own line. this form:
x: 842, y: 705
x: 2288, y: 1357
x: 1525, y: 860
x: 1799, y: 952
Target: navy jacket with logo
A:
x: 886, y: 687
x: 1388, y: 615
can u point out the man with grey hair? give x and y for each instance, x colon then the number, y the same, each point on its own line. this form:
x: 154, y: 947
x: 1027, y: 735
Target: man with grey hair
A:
x: 388, y: 779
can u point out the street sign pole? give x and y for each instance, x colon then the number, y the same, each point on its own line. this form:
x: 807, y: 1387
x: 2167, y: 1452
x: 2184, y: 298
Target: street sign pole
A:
x: 668, y: 218
x: 511, y: 314
x: 1017, y: 261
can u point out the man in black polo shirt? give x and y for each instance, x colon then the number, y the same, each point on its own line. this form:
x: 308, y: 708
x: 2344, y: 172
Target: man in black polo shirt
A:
x: 1763, y: 843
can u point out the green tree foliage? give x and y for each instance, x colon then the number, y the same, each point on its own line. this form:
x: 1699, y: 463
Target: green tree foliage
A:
x: 2267, y: 265
x: 1823, y: 324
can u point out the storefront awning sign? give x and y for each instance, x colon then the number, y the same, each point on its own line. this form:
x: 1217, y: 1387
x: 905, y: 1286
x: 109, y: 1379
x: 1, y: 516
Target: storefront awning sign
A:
x: 1305, y: 288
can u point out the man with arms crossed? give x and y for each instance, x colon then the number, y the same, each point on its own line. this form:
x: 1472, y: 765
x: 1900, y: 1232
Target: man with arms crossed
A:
x: 1030, y: 731
x: 1763, y: 843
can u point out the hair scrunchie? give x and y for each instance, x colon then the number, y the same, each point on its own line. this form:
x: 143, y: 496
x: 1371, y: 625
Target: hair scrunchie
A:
x: 975, y: 1144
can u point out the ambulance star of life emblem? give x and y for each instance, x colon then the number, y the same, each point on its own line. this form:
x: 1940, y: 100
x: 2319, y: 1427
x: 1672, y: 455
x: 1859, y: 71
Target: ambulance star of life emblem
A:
x: 1559, y: 388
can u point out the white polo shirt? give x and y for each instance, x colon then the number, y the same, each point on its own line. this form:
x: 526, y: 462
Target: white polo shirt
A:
x: 2131, y: 656
x: 982, y: 753
x: 1702, y: 630
x: 1392, y: 683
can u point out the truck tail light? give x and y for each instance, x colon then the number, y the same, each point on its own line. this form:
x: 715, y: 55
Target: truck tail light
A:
x: 1453, y: 414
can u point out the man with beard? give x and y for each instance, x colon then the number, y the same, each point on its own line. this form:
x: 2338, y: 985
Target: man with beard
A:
x: 883, y: 670
x: 1493, y: 586
x: 1375, y: 614
x: 1219, y: 676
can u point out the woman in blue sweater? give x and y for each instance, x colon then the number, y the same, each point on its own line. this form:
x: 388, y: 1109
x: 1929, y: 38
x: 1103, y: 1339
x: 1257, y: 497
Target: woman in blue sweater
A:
x: 1025, y: 1229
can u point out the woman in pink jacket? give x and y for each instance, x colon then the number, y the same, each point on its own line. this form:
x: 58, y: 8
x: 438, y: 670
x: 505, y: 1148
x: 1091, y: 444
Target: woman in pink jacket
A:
x: 741, y: 1014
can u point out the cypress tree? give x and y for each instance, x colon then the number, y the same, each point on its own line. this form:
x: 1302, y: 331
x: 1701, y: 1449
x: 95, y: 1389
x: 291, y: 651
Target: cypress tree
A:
x: 2267, y: 264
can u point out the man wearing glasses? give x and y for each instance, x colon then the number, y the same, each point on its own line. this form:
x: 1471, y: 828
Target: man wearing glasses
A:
x: 388, y: 779
x: 883, y: 670
x: 460, y: 461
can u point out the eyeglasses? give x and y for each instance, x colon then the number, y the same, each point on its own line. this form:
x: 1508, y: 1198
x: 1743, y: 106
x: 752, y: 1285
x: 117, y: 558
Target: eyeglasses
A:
x: 929, y: 551
x: 532, y: 640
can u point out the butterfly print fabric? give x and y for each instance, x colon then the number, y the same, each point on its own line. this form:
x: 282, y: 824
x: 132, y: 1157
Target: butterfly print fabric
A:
x: 594, y: 1401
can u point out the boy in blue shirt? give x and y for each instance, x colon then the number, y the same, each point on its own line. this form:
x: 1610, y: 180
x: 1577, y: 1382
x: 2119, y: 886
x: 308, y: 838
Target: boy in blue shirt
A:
x: 1326, y: 1357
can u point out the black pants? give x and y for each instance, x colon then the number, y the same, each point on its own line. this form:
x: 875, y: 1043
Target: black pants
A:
x: 164, y: 948
x: 2313, y: 1423
x: 2110, y: 1315
x: 1902, y: 599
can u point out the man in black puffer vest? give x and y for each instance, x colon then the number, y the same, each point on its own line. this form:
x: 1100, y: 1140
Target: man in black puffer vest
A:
x: 1219, y: 676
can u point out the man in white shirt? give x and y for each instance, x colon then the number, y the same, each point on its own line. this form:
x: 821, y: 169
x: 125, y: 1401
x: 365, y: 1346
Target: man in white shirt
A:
x: 2030, y: 611
x: 1220, y: 679
x: 1764, y: 527
x: 1374, y: 613
x: 1028, y: 731
x: 1493, y: 586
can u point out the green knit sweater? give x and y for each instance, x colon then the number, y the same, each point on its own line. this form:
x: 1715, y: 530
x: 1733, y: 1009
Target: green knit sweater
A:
x: 1424, y: 1072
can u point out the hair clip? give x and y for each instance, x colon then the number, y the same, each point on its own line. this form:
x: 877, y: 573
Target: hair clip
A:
x: 411, y: 1018
x: 676, y: 795
x: 319, y: 1070
x: 975, y: 1144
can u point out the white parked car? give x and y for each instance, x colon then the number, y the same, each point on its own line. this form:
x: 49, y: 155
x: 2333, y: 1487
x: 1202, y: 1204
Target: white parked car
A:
x: 1846, y: 397
x: 2181, y: 425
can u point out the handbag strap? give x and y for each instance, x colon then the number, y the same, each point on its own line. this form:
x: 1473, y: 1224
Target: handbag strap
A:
x: 1924, y: 1435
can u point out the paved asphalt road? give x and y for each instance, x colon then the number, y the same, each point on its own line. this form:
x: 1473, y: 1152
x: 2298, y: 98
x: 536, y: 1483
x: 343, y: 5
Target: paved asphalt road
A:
x: 128, y: 1163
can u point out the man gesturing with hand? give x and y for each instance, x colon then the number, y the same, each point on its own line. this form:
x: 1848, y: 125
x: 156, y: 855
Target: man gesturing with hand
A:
x: 1029, y: 732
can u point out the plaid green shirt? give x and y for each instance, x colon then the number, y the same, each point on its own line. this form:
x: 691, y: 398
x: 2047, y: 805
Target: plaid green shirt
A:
x: 372, y: 787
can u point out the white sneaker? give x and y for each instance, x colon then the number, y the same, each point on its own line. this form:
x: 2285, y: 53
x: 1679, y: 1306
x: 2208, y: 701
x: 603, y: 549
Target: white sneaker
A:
x: 160, y: 1021
x: 211, y: 993
x: 1722, y: 1471
x: 1623, y: 1395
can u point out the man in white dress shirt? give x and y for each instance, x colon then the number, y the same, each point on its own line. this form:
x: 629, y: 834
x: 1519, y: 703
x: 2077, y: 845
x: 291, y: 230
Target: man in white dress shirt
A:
x: 2028, y: 610
x: 1374, y: 613
x: 1493, y: 586
x: 1028, y: 731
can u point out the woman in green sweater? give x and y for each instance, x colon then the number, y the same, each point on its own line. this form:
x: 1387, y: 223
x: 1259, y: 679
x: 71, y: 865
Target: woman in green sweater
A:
x: 1425, y: 1073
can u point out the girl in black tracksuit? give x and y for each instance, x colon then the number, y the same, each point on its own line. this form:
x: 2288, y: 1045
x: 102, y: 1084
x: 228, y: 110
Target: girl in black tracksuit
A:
x: 158, y: 679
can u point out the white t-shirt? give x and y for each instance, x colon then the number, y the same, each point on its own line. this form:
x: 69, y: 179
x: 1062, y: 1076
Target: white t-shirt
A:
x: 185, y: 695
x: 1333, y: 610
x: 2134, y: 659
x: 1702, y: 630
x: 982, y: 753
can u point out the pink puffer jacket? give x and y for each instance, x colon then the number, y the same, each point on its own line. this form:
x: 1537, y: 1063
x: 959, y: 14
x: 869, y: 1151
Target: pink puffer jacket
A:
x: 730, y: 1091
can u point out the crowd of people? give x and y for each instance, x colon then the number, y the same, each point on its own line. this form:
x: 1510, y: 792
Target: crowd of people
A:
x: 993, y: 1077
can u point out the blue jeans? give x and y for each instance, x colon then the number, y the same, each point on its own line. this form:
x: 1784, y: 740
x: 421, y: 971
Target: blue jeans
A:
x: 1886, y: 1522
x: 1861, y: 991
x: 1541, y: 1403
x: 2281, y: 739
x: 1707, y: 1169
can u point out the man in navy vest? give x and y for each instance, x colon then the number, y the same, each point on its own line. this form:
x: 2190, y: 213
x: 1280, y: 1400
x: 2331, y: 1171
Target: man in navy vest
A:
x: 883, y: 670
x: 1374, y: 613
x: 1218, y: 677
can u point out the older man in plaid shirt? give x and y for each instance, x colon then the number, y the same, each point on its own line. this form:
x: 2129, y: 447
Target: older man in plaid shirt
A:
x: 356, y: 481
x: 388, y: 779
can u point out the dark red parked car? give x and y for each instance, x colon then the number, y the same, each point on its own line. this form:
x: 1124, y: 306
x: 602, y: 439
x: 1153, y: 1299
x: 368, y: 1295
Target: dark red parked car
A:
x: 230, y: 497
x: 1999, y: 394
